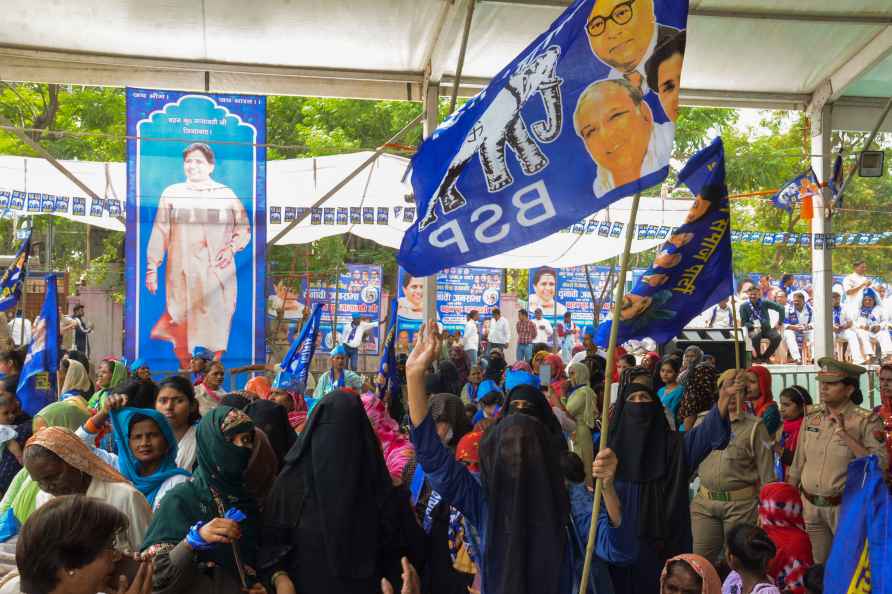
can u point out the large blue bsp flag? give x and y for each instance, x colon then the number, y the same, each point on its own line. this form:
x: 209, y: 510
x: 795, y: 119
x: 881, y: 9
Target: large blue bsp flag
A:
x: 582, y: 117
x: 692, y: 271
x: 860, y: 560
x: 296, y: 364
x: 37, y: 383
x: 795, y: 191
x: 14, y: 277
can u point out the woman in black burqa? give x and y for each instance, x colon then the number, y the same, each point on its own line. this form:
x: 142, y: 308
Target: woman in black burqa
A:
x: 334, y: 522
x: 656, y: 465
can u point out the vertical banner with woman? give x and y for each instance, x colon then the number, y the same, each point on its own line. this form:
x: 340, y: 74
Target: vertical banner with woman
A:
x: 196, y: 234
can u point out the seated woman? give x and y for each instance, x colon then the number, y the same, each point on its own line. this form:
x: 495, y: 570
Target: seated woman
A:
x: 207, y: 391
x: 272, y: 419
x: 61, y: 464
x: 334, y: 521
x: 671, y: 392
x: 76, y: 381
x: 689, y: 573
x: 192, y: 538
x: 19, y: 427
x: 20, y: 498
x: 147, y: 448
x: 70, y: 546
x: 655, y: 467
x: 293, y: 402
x: 176, y: 401
x: 519, y: 505
x: 109, y: 375
x: 469, y: 393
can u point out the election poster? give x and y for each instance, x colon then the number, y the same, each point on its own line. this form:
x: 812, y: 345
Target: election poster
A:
x: 557, y: 291
x: 581, y: 117
x: 460, y: 290
x: 358, y: 298
x: 196, y: 227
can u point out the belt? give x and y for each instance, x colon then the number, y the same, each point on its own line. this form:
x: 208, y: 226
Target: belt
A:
x: 819, y: 501
x: 738, y: 495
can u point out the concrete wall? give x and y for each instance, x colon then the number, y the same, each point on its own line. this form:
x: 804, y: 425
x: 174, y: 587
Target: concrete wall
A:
x: 107, y: 318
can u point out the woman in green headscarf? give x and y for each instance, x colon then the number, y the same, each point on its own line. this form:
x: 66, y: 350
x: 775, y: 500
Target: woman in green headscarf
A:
x: 108, y: 376
x: 582, y: 405
x: 19, y: 501
x: 196, y: 549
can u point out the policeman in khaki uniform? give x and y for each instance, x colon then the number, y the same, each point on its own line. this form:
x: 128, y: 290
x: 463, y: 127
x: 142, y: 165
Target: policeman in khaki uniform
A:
x: 833, y: 434
x: 730, y: 479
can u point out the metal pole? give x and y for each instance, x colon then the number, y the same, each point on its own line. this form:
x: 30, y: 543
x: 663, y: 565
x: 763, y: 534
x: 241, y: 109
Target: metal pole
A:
x: 461, y: 55
x: 378, y: 152
x: 736, y: 330
x: 608, y: 380
x: 431, y: 118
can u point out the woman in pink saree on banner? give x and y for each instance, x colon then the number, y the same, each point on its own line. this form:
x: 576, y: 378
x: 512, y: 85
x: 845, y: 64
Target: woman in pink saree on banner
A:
x: 200, y: 225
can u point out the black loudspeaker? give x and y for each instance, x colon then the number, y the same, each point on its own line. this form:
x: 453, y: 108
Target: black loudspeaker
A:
x: 716, y: 342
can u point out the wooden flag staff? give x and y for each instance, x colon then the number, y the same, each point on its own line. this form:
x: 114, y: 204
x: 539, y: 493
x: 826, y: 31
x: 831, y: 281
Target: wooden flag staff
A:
x: 608, y: 380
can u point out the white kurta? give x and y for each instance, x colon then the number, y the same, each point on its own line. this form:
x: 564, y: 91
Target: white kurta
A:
x: 186, y: 450
x: 192, y: 226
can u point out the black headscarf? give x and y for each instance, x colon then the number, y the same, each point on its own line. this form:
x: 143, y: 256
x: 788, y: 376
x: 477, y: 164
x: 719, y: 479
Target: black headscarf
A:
x: 449, y: 408
x: 528, y: 508
x: 450, y: 378
x: 337, y: 461
x: 272, y: 418
x: 652, y: 455
x: 496, y: 367
x: 235, y: 400
x: 529, y: 400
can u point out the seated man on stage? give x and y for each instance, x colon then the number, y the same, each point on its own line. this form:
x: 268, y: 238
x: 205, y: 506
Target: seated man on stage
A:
x: 798, y: 326
x: 755, y: 317
x: 873, y: 327
x: 844, y: 329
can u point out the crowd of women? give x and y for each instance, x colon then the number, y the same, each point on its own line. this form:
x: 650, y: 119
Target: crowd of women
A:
x: 462, y: 478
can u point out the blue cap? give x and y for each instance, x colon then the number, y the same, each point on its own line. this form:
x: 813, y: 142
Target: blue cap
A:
x: 356, y: 315
x: 202, y: 353
x: 134, y: 367
x: 519, y: 378
x: 487, y: 387
x: 338, y: 350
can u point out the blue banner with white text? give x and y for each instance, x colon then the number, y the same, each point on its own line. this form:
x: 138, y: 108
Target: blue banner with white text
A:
x: 584, y: 116
x: 196, y: 227
x: 692, y: 271
x: 358, y: 297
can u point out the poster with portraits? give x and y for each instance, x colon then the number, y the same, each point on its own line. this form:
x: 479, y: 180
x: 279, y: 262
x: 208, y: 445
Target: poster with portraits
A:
x: 357, y: 296
x: 196, y: 227
x: 558, y: 291
x: 460, y: 290
x: 583, y: 116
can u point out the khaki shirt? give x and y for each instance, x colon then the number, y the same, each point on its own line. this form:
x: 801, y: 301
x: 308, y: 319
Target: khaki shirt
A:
x: 822, y: 458
x: 747, y: 461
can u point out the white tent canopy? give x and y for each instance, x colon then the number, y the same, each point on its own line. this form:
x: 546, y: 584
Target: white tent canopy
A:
x: 298, y: 183
x: 752, y: 53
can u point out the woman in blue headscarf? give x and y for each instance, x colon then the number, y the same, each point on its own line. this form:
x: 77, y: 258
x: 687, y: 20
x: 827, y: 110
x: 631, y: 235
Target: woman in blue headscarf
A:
x: 338, y: 377
x: 146, y: 445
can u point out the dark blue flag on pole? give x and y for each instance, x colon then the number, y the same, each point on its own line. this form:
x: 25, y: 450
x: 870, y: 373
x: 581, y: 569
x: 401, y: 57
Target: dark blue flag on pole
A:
x: 794, y: 191
x: 836, y: 181
x: 859, y: 559
x: 584, y: 116
x: 14, y: 277
x: 37, y: 383
x: 296, y: 364
x: 692, y: 271
x: 387, y: 367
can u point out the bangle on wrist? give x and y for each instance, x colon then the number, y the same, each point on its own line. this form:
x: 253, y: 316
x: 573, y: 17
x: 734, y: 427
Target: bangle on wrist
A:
x: 276, y: 577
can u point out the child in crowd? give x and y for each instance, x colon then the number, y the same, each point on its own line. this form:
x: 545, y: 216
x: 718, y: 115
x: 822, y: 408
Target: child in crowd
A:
x: 671, y: 392
x: 793, y: 403
x: 490, y: 401
x: 749, y: 550
x: 8, y: 411
x: 469, y: 393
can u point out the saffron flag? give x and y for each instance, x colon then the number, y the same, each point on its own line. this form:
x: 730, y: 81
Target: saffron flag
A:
x: 14, y: 277
x: 37, y: 383
x: 797, y: 190
x: 692, y: 271
x: 584, y: 116
x: 862, y: 546
x: 296, y: 364
x: 387, y: 367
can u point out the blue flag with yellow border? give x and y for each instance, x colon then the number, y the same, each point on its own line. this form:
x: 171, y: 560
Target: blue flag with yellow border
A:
x: 296, y: 364
x: 37, y: 382
x: 583, y: 116
x: 14, y: 277
x: 860, y: 560
x: 692, y: 270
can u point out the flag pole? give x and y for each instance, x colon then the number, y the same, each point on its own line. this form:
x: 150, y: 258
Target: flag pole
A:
x: 736, y: 330
x: 608, y: 379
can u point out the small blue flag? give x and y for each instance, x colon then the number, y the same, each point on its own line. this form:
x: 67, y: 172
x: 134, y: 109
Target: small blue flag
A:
x: 692, y: 271
x: 835, y: 183
x: 387, y: 367
x: 583, y: 116
x: 296, y: 364
x: 796, y: 189
x: 37, y: 383
x: 14, y: 277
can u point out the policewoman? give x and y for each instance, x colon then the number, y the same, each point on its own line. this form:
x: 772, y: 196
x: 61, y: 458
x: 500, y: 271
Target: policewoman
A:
x: 730, y: 479
x: 834, y: 433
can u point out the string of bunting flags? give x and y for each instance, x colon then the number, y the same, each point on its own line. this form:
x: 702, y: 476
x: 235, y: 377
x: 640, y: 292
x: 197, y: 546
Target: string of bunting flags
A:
x: 820, y: 240
x: 33, y: 202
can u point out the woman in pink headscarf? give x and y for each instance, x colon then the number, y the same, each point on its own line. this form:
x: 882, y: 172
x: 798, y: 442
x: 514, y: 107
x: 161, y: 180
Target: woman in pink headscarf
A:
x: 398, y: 450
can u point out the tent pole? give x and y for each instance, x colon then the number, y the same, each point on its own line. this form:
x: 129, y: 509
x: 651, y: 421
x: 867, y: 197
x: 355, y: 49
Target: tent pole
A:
x: 608, y: 380
x: 378, y: 152
x: 461, y: 54
x: 431, y: 119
